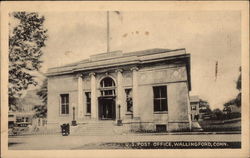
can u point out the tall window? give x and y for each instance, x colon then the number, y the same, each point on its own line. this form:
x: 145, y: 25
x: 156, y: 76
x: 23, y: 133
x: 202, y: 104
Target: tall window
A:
x: 160, y: 98
x: 129, y: 100
x: 107, y: 87
x: 64, y: 103
x: 88, y: 101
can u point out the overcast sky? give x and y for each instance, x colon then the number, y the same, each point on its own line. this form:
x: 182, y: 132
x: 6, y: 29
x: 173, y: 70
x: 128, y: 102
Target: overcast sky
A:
x: 209, y: 36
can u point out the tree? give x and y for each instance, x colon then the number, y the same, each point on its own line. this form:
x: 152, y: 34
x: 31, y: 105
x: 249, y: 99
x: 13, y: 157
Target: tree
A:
x: 237, y: 100
x: 238, y: 86
x: 26, y: 40
x: 41, y: 111
x: 205, y: 107
x: 218, y: 114
x: 43, y: 91
x: 238, y: 83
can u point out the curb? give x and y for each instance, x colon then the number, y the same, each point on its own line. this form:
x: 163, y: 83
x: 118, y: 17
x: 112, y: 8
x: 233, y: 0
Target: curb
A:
x: 188, y: 133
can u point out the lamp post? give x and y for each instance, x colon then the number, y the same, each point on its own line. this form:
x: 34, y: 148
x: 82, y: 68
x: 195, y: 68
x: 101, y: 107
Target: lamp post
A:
x: 73, y: 123
x: 119, y: 121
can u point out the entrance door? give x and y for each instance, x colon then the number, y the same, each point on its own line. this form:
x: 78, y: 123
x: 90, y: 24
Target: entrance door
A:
x: 107, y: 108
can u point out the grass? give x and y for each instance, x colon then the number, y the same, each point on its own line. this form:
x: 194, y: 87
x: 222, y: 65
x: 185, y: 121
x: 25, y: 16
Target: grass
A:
x: 220, y: 125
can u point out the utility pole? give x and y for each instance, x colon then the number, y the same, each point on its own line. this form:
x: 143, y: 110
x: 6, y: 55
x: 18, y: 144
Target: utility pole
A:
x: 216, y: 70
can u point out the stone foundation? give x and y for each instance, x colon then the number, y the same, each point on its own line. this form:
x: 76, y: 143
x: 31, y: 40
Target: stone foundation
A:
x: 178, y: 126
x: 134, y: 125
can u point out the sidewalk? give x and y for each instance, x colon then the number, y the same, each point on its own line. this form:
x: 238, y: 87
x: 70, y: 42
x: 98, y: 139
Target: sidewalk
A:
x: 141, y: 134
x: 80, y: 142
x: 197, y: 133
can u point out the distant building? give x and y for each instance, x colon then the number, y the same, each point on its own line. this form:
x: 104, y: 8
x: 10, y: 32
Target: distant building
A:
x: 195, y: 107
x: 199, y: 109
x: 25, y: 114
x: 20, y: 118
x: 146, y: 90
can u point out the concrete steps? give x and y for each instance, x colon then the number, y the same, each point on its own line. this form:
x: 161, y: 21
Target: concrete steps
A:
x: 196, y: 127
x: 101, y: 128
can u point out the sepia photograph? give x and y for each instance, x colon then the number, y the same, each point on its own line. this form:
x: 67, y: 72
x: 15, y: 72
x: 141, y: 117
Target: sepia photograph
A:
x: 117, y: 79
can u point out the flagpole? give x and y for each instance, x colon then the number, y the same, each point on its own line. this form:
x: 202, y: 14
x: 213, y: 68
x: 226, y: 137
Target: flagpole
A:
x: 216, y: 69
x: 107, y: 31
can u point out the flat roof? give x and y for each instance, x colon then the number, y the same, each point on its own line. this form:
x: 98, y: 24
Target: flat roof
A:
x: 119, y: 59
x: 116, y: 58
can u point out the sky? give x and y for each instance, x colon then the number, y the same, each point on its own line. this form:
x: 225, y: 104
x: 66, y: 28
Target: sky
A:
x: 209, y: 36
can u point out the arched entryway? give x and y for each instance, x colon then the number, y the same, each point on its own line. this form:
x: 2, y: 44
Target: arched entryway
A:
x: 106, y: 101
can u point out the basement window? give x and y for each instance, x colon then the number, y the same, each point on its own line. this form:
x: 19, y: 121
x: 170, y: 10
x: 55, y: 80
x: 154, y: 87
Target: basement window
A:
x: 161, y: 128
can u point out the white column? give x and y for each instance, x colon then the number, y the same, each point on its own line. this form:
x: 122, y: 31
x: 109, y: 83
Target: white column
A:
x: 135, y: 93
x: 93, y: 96
x: 80, y: 96
x: 120, y: 95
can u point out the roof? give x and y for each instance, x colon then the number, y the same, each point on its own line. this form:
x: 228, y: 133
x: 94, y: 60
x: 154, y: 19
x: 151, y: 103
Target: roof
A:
x: 147, y: 52
x: 116, y: 54
x: 104, y: 60
x: 194, y: 98
x: 117, y: 59
x: 21, y: 114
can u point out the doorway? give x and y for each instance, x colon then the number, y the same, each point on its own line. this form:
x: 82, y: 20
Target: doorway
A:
x: 107, y: 108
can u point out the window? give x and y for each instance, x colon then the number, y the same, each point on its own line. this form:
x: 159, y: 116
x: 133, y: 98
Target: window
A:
x: 108, y: 92
x: 129, y: 100
x: 88, y: 101
x: 203, y: 111
x: 160, y: 98
x: 64, y: 103
x: 107, y: 82
x: 18, y: 119
x: 107, y: 87
x: 193, y: 107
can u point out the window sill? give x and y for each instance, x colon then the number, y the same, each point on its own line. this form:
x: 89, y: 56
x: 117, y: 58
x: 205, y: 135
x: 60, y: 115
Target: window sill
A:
x: 88, y: 114
x: 129, y: 113
x: 64, y: 115
x: 107, y: 88
x: 160, y: 112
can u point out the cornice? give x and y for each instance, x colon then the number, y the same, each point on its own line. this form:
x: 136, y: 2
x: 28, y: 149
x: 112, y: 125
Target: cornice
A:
x: 120, y: 61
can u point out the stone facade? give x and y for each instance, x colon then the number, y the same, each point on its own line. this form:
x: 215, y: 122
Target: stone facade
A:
x: 156, y: 82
